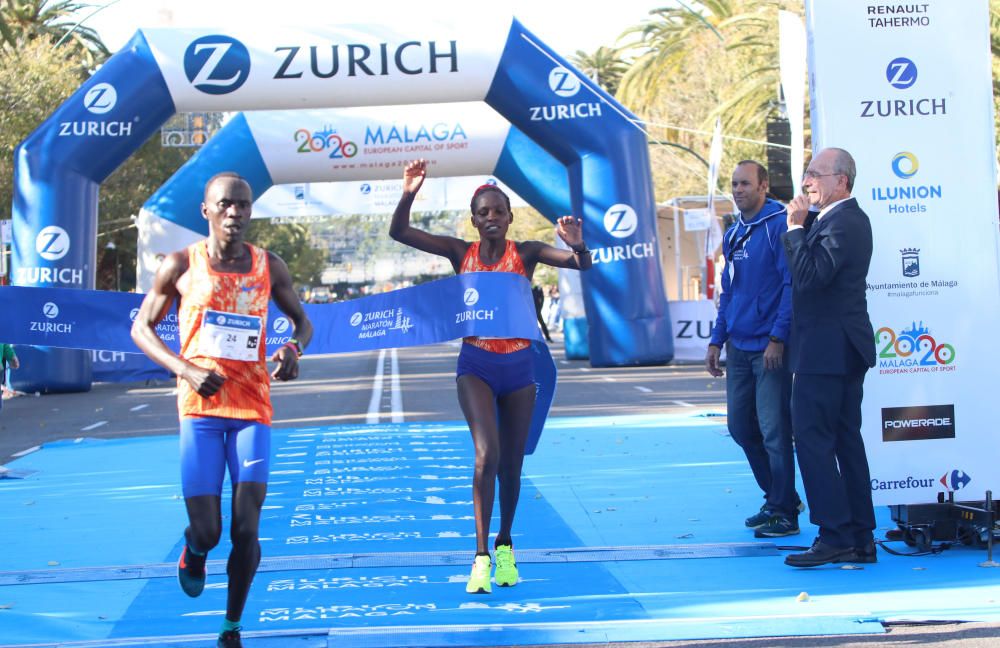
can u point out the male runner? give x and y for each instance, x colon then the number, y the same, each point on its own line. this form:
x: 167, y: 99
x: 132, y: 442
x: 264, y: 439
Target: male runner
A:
x: 222, y: 286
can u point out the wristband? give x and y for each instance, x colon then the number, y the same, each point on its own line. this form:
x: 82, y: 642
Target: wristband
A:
x: 776, y: 339
x: 295, y: 346
x: 583, y: 251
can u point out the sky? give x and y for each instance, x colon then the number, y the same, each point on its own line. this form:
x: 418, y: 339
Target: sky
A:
x: 563, y: 25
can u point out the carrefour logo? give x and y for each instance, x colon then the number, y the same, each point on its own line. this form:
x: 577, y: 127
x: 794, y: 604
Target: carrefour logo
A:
x: 905, y: 165
x: 217, y: 64
x: 620, y: 220
x: 901, y: 73
x: 52, y: 243
x: 955, y: 480
x: 563, y: 82
x: 50, y: 310
x: 471, y: 297
x: 101, y: 98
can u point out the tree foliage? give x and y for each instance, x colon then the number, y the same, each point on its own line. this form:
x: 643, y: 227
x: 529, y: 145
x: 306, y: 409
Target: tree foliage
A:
x: 294, y: 244
x: 25, y: 21
x: 605, y: 66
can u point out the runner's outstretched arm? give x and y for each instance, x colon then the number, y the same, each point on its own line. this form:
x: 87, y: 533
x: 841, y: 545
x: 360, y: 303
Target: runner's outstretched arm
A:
x: 400, y: 230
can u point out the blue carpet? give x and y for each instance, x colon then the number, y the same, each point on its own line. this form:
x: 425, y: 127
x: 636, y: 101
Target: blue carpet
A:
x: 628, y: 529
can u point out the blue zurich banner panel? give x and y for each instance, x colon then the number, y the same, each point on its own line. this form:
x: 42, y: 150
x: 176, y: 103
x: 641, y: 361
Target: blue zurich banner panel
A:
x: 490, y: 304
x: 605, y: 152
x: 61, y: 164
x: 534, y: 175
x: 233, y: 148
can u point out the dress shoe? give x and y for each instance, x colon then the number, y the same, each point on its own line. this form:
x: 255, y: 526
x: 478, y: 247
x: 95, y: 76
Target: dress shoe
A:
x: 820, y: 554
x: 864, y: 554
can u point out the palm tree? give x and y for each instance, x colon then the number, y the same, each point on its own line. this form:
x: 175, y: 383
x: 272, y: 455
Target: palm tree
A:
x: 28, y: 20
x: 606, y: 66
x: 738, y: 34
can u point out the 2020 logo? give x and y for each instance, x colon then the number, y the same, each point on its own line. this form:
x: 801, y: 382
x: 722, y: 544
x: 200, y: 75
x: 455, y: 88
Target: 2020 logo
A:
x: 912, y: 350
x: 324, y: 140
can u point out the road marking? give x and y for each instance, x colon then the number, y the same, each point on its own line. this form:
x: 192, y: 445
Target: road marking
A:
x: 139, y: 407
x: 608, y: 379
x: 28, y: 451
x: 397, y: 396
x: 373, y: 404
x: 584, y: 368
x: 644, y: 390
x: 683, y: 403
x: 93, y: 426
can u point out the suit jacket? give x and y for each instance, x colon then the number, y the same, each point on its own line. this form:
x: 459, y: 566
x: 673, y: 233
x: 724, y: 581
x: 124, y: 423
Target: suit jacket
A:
x: 831, y: 331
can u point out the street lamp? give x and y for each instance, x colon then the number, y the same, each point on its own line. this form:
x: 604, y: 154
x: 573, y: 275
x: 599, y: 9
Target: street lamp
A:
x: 111, y: 247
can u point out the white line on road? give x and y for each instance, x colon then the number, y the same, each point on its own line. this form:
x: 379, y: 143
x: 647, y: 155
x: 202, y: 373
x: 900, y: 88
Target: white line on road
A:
x: 608, y: 379
x: 584, y: 368
x: 683, y: 403
x: 644, y: 390
x: 373, y: 404
x: 93, y: 426
x: 397, y: 396
x: 139, y: 407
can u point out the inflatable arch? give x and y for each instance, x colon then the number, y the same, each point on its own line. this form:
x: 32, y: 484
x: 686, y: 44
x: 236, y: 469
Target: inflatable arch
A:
x: 343, y: 145
x: 60, y: 166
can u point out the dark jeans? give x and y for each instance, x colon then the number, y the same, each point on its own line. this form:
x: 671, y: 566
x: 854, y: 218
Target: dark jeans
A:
x: 759, y: 415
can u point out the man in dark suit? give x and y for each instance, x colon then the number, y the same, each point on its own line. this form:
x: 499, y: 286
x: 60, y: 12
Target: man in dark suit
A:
x: 831, y: 347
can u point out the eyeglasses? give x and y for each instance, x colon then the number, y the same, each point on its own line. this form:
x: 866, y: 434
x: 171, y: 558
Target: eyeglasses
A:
x: 813, y: 175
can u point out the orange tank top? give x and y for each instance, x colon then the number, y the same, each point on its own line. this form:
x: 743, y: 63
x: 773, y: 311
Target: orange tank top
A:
x: 509, y: 262
x: 222, y: 318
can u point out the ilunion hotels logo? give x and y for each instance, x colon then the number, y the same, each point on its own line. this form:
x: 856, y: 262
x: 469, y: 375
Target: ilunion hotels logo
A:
x: 907, y: 196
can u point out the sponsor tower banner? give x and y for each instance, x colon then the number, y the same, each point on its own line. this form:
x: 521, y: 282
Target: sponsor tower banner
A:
x: 911, y: 99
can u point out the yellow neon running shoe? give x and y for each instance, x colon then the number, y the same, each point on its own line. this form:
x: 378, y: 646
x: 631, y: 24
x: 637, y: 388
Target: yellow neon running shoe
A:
x: 506, y: 573
x: 479, y: 580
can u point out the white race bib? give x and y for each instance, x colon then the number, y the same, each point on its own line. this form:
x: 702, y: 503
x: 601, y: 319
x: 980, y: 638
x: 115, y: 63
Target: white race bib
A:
x: 230, y: 335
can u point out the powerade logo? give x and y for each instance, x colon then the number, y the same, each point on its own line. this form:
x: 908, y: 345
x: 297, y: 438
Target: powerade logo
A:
x: 901, y: 74
x: 905, y: 166
x: 564, y: 83
x: 918, y: 423
x: 324, y: 141
x: 912, y: 350
x: 217, y: 64
x: 100, y: 99
x: 955, y: 480
x: 50, y: 310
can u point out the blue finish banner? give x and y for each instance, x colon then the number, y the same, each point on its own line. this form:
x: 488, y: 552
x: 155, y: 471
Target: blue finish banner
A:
x: 488, y: 304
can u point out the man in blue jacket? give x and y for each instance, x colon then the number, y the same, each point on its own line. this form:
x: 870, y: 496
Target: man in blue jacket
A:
x: 755, y: 312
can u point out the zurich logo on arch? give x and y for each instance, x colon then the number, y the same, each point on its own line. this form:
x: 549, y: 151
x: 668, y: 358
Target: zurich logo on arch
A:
x: 217, y: 64
x: 52, y: 243
x: 620, y: 220
x: 901, y: 73
x: 563, y: 82
x: 101, y: 98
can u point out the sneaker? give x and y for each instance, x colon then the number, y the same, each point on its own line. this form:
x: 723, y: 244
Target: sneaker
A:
x: 479, y: 580
x: 191, y: 573
x: 759, y: 518
x: 506, y: 573
x: 801, y: 506
x: 229, y: 639
x: 777, y: 526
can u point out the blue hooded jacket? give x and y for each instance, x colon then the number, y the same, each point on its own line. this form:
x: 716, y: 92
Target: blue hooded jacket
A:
x: 756, y: 298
